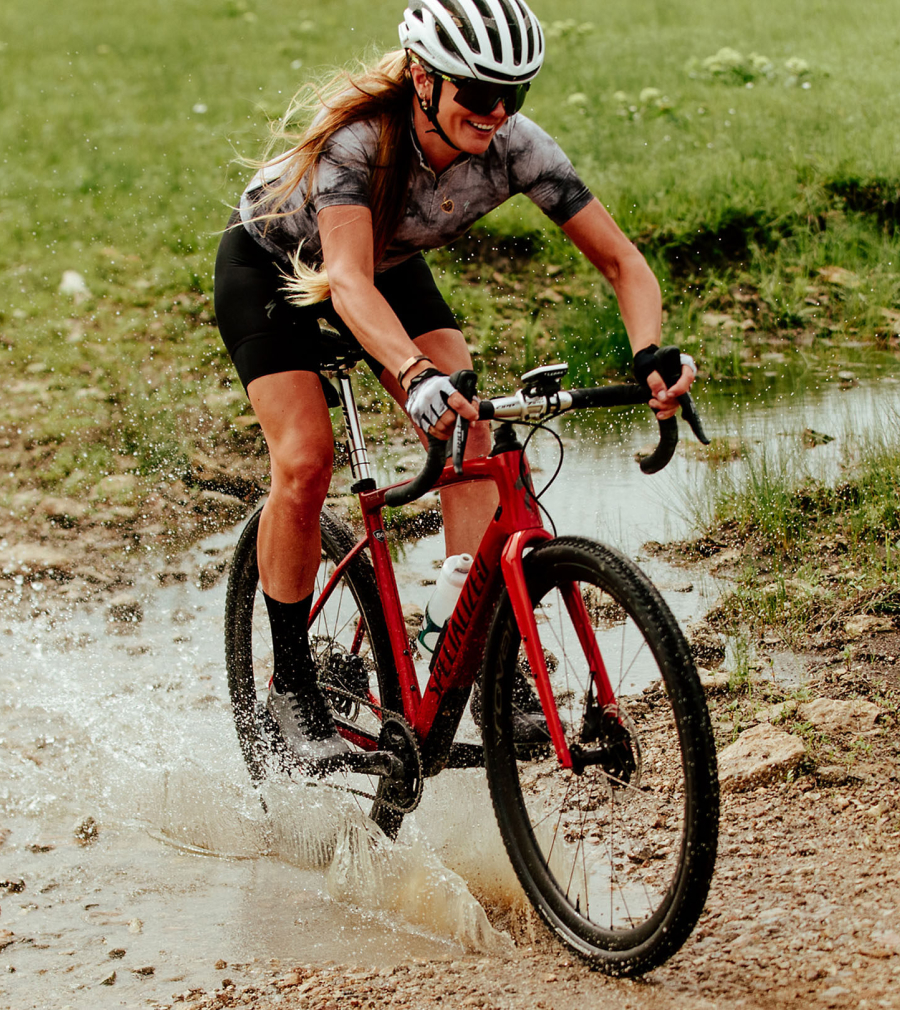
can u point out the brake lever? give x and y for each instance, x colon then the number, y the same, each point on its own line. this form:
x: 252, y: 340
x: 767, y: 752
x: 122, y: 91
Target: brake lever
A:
x: 689, y: 413
x: 460, y: 436
x: 466, y: 382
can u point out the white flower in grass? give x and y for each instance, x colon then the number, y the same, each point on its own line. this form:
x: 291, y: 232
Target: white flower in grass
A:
x: 796, y: 66
x: 577, y: 98
x: 760, y: 64
x: 199, y: 108
x: 650, y: 96
x: 75, y: 286
x: 559, y: 28
x: 726, y: 59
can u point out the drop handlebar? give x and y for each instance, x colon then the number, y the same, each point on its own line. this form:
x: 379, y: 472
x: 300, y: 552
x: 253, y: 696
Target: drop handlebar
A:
x: 521, y: 406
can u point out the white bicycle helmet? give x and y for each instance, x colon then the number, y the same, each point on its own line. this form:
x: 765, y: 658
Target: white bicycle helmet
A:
x: 490, y: 40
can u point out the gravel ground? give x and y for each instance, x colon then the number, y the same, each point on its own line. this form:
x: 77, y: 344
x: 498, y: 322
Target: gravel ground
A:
x: 804, y: 908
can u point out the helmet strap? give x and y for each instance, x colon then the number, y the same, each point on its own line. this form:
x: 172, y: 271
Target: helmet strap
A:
x: 431, y: 111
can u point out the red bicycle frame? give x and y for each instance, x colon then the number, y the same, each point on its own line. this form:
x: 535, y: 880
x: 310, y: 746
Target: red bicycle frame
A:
x: 516, y: 527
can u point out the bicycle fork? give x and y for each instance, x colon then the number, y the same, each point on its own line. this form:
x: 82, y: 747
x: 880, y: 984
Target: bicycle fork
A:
x: 523, y: 610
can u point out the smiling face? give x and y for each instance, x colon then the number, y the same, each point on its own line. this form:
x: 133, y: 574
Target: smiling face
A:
x: 471, y: 132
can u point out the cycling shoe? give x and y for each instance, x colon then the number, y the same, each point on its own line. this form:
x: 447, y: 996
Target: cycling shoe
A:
x: 307, y: 727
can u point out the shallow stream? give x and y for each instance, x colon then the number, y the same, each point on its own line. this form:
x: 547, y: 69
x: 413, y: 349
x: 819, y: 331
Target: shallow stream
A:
x: 134, y: 730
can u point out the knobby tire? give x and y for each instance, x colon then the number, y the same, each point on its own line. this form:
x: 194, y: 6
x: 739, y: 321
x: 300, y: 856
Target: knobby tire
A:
x: 617, y: 860
x: 334, y: 636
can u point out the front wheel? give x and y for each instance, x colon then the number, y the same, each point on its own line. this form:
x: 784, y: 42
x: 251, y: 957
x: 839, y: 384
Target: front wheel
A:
x: 617, y: 854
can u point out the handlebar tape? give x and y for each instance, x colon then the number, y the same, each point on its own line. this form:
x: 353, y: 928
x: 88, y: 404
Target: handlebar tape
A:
x: 663, y: 453
x: 424, y: 481
x: 611, y: 396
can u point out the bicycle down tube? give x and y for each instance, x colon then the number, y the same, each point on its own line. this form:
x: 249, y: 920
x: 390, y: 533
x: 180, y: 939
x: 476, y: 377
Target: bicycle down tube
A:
x: 435, y: 715
x: 517, y: 526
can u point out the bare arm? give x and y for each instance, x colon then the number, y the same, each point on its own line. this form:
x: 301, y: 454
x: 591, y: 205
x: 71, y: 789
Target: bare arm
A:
x: 348, y: 252
x: 601, y: 240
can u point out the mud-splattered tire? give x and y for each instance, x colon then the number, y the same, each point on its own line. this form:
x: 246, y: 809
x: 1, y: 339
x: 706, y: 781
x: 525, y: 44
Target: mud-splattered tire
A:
x: 617, y: 859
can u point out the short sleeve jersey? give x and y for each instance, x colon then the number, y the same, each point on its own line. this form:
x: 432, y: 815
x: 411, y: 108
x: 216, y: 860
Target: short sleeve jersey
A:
x: 522, y: 158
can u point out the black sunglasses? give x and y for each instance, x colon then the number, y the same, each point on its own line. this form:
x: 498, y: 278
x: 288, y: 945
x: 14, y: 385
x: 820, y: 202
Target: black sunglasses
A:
x: 481, y: 97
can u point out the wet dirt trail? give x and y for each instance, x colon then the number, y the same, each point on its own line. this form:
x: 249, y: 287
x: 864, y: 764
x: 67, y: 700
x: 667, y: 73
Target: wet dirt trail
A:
x: 138, y: 869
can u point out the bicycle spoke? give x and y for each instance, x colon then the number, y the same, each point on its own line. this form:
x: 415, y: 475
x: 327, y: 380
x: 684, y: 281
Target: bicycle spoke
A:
x: 609, y: 831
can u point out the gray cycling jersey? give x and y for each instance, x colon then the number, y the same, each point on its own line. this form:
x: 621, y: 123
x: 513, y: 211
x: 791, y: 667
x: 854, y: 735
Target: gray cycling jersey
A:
x: 522, y: 158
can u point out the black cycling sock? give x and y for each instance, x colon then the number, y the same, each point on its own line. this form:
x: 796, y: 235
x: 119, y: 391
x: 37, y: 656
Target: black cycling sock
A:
x: 294, y: 666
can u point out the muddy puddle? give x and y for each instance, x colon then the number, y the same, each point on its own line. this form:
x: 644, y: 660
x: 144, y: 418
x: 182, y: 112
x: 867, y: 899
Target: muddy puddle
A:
x: 137, y: 857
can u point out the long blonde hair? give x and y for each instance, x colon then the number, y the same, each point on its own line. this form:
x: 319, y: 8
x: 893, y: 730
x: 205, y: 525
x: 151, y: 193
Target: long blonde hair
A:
x: 383, y: 92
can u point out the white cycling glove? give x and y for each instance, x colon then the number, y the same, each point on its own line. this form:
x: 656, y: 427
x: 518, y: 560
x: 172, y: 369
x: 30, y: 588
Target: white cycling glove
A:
x: 426, y: 401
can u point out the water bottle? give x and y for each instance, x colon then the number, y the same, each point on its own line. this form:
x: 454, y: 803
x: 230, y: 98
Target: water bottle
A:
x: 446, y: 592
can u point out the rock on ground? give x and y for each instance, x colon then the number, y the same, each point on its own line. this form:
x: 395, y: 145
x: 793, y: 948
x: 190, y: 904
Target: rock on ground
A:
x: 831, y: 716
x: 760, y: 755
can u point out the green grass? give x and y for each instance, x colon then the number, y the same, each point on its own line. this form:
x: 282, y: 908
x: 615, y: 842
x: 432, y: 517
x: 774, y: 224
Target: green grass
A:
x: 120, y: 129
x: 813, y: 553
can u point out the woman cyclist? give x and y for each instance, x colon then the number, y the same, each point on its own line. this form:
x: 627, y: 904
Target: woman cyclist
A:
x: 400, y: 158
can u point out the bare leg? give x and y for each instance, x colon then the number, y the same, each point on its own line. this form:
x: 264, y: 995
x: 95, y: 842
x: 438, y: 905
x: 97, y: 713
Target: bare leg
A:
x: 291, y: 409
x: 467, y: 508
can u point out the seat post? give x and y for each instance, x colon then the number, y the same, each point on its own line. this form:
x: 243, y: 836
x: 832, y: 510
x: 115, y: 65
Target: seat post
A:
x: 356, y: 443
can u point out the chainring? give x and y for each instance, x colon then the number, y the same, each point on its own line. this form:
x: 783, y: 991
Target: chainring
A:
x: 398, y: 738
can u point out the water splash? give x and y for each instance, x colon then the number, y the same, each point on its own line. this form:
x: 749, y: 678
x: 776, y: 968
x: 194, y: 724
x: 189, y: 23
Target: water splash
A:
x: 408, y: 879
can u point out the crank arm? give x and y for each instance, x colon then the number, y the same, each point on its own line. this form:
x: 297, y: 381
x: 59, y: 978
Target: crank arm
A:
x: 380, y: 763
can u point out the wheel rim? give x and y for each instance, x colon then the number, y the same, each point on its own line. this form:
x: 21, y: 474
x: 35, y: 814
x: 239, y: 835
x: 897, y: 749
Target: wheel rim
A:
x: 609, y: 845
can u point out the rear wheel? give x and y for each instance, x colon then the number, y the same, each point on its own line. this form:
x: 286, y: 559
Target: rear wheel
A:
x: 617, y: 854
x: 350, y: 645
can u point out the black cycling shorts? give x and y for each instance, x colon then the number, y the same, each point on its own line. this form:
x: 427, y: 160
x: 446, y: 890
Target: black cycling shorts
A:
x: 265, y: 334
